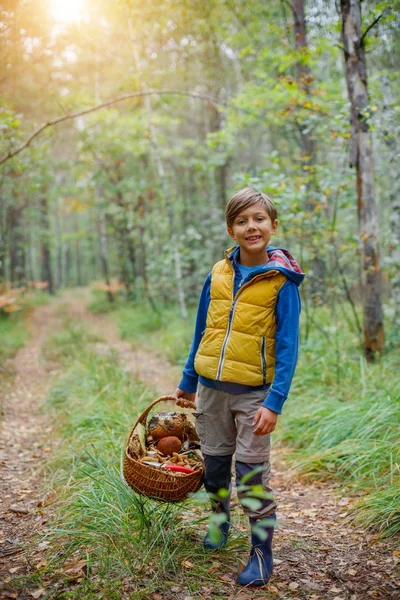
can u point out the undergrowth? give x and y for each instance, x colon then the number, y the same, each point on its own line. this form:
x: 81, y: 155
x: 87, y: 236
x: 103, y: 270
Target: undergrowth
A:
x: 166, y: 332
x: 342, y: 421
x: 14, y: 328
x: 162, y: 330
x: 13, y: 334
x: 128, y: 543
x: 343, y: 415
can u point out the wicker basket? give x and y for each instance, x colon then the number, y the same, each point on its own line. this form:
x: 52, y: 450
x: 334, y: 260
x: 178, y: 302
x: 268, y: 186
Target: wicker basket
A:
x: 159, y: 484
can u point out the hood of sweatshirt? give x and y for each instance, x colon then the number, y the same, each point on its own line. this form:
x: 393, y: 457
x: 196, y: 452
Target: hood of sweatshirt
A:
x: 279, y: 260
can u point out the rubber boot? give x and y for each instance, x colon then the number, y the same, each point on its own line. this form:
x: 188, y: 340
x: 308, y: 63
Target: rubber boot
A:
x: 260, y: 565
x: 217, y: 477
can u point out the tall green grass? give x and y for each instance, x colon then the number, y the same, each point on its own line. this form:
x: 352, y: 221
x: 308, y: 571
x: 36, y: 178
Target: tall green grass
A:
x: 343, y: 421
x: 13, y: 335
x: 14, y: 327
x: 343, y: 416
x: 126, y: 539
x: 164, y: 331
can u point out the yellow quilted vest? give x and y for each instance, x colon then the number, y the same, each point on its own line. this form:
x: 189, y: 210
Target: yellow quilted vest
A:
x: 238, y: 344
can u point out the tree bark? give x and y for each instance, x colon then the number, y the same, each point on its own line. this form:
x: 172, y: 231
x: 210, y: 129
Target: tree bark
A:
x: 304, y: 79
x: 104, y: 253
x: 392, y: 144
x: 16, y: 246
x: 45, y: 254
x: 361, y: 158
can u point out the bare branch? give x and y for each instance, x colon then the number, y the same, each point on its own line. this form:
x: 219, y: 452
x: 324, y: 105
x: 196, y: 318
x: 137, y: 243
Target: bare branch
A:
x: 86, y: 111
x: 371, y: 26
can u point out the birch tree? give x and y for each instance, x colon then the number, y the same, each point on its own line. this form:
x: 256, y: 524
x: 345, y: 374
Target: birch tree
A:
x: 361, y: 157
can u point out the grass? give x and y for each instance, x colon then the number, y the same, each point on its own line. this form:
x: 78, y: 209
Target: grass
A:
x: 13, y: 335
x: 342, y: 421
x: 125, y: 541
x: 343, y: 415
x: 163, y: 331
x: 166, y: 332
x: 14, y: 330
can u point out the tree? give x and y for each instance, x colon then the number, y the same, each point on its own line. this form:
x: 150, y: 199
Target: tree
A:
x: 361, y: 157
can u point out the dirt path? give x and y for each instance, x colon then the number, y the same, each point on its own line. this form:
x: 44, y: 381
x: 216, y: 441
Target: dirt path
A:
x: 24, y: 446
x: 319, y: 556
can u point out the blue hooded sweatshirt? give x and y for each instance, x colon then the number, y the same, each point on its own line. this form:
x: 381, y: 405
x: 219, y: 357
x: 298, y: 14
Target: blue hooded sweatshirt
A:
x: 287, y: 313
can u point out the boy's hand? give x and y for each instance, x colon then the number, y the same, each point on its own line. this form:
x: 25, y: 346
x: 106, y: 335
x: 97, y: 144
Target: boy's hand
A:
x: 264, y: 421
x: 183, y: 398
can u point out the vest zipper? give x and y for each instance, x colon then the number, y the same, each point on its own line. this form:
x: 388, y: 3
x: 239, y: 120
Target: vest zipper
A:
x: 263, y: 360
x: 228, y: 330
x: 230, y: 319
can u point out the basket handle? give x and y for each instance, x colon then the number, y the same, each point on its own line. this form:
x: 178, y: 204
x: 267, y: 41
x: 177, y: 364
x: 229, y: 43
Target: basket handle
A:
x: 146, y: 411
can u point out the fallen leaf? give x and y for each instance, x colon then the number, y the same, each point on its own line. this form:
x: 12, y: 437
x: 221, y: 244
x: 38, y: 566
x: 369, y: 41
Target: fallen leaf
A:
x: 37, y: 593
x: 226, y: 578
x: 75, y: 569
x: 41, y: 564
x: 14, y: 569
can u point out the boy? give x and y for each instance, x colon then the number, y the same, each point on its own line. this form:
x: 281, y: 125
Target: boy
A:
x: 244, y: 353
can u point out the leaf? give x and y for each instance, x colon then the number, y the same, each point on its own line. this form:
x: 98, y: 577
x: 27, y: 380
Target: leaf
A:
x: 75, y: 569
x: 293, y: 585
x: 37, y: 593
x: 251, y: 474
x: 251, y: 503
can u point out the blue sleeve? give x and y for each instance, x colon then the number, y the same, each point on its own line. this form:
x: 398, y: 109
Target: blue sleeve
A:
x: 287, y: 313
x: 190, y: 377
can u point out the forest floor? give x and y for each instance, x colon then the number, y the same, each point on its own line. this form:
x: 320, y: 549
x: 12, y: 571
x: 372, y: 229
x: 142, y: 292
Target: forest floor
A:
x: 319, y: 555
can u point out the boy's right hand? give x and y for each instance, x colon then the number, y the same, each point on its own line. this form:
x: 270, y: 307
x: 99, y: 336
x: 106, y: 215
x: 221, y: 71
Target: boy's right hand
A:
x: 184, y: 398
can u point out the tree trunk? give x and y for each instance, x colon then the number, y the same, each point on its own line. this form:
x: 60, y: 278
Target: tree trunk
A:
x: 104, y: 253
x: 17, y: 254
x: 78, y: 258
x: 59, y: 246
x: 3, y: 252
x: 304, y: 79
x: 392, y: 143
x: 361, y: 157
x: 163, y: 179
x: 45, y: 255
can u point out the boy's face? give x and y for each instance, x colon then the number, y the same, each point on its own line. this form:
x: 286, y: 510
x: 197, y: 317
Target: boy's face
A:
x: 252, y: 230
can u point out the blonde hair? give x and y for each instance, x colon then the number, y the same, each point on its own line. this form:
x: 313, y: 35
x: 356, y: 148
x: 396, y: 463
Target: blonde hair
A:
x: 245, y: 198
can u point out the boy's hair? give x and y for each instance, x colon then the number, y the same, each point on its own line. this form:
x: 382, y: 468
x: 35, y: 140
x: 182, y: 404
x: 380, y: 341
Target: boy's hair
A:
x: 245, y: 198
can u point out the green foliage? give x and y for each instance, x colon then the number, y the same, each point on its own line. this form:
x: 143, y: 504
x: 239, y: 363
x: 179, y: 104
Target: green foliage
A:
x: 122, y: 536
x: 13, y: 334
x: 343, y: 420
x: 14, y: 329
x: 165, y: 331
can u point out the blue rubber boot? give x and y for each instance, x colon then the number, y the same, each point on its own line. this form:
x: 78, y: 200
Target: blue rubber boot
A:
x: 259, y: 568
x: 213, y: 544
x: 218, y: 476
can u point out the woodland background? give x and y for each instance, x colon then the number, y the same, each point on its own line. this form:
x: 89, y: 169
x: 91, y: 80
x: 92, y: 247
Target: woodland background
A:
x: 123, y: 134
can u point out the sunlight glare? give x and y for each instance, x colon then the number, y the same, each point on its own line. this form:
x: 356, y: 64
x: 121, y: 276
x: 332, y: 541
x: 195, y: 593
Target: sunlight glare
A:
x: 66, y: 10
